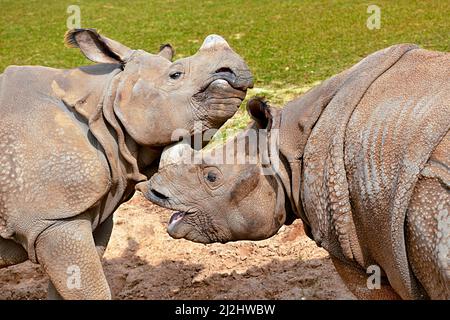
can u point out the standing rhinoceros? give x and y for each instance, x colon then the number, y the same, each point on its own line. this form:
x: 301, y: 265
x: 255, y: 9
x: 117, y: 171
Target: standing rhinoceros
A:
x: 73, y: 144
x: 363, y: 160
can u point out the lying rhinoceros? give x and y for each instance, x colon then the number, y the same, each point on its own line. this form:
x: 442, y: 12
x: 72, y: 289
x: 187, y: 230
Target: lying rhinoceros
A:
x: 363, y: 160
x: 73, y: 144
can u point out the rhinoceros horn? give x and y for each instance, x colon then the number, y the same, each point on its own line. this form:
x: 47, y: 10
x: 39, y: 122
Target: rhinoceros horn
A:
x: 214, y: 41
x: 180, y: 152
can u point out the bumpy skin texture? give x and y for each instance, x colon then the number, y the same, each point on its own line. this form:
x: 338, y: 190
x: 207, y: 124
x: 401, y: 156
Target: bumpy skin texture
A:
x: 356, y: 281
x: 73, y: 144
x: 428, y: 224
x: 369, y: 165
x: 365, y: 164
x: 11, y: 253
x: 71, y: 244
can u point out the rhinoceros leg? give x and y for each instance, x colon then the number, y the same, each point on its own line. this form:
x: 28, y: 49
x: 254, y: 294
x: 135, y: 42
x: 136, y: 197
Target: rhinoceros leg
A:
x: 11, y: 253
x: 427, y: 237
x: 68, y: 254
x: 102, y: 234
x: 356, y: 281
x: 428, y: 224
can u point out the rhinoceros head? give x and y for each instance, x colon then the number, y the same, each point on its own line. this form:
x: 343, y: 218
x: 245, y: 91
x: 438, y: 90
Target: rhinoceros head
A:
x: 223, y: 194
x: 156, y: 96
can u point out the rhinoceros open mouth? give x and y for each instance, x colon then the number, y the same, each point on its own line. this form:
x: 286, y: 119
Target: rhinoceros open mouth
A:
x: 177, y: 216
x: 180, y: 224
x: 175, y: 219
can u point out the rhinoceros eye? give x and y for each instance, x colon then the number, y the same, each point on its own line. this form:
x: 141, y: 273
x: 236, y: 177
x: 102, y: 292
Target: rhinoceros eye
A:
x: 175, y: 75
x: 212, y: 176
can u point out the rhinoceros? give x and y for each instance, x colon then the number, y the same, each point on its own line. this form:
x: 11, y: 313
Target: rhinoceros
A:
x: 74, y: 143
x: 363, y: 160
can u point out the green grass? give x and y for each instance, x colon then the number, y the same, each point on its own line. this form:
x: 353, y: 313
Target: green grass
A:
x: 284, y: 42
x: 277, y: 97
x: 287, y: 44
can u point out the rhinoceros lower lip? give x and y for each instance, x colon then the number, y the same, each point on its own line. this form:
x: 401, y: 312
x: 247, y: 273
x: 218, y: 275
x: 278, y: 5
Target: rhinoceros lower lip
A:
x: 220, y: 83
x: 176, y: 217
x: 174, y: 221
x: 224, y: 84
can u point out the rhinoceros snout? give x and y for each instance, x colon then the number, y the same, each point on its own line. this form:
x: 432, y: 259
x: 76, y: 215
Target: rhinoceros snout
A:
x: 244, y: 80
x: 225, y: 70
x: 238, y: 79
x: 158, y: 195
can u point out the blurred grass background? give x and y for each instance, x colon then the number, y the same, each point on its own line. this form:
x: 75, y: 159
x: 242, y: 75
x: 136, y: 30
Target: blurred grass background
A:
x: 289, y: 45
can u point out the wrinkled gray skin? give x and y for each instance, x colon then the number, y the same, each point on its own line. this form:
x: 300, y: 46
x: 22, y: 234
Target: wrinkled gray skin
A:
x: 365, y: 164
x: 73, y: 144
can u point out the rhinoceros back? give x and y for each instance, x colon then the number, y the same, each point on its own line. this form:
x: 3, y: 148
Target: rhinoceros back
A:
x: 49, y: 167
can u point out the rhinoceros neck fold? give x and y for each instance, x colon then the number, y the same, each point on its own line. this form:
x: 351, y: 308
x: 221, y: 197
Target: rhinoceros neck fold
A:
x: 120, y: 150
x: 295, y: 123
x: 91, y: 92
x: 83, y: 88
x: 298, y: 121
x: 326, y: 194
x: 286, y: 176
x: 128, y: 148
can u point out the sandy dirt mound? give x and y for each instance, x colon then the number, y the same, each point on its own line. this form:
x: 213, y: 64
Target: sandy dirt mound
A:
x: 143, y: 262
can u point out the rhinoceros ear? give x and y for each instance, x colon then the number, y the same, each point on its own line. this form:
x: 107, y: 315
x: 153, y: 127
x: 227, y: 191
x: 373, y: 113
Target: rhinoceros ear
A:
x: 96, y: 47
x: 166, y: 51
x: 258, y: 109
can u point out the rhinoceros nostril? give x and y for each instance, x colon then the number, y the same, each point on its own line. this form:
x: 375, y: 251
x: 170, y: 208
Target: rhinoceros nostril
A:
x: 224, y: 70
x: 159, y: 194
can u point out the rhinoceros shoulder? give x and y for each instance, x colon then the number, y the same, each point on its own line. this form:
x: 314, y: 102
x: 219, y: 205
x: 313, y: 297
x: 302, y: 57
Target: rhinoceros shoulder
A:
x: 51, y: 166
